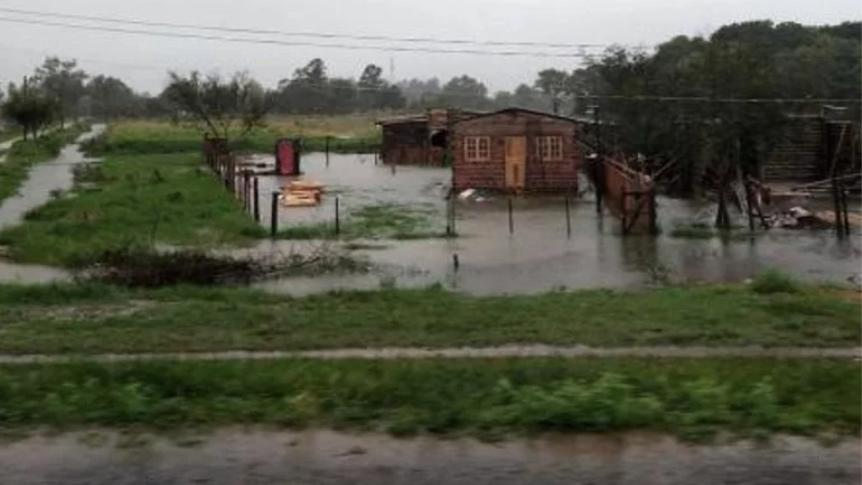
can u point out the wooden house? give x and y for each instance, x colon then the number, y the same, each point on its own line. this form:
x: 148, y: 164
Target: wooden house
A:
x: 515, y: 150
x: 420, y: 139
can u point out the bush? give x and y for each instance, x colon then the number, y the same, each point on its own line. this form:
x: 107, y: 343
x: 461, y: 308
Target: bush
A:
x: 772, y: 281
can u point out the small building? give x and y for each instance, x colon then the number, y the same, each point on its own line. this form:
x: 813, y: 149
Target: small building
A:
x: 420, y: 139
x: 516, y: 150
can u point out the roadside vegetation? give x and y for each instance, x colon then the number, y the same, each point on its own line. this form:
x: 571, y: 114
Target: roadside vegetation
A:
x: 132, y: 202
x: 347, y: 133
x: 489, y: 398
x: 25, y: 153
x: 90, y: 318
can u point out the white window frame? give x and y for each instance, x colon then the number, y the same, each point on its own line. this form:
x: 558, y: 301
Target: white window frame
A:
x: 549, y: 148
x: 477, y: 148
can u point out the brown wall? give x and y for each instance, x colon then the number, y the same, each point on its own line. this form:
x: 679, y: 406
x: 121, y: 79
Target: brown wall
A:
x: 548, y: 176
x: 405, y: 144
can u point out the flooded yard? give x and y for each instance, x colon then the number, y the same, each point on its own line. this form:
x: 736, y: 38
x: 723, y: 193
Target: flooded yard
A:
x: 538, y: 256
x: 249, y: 456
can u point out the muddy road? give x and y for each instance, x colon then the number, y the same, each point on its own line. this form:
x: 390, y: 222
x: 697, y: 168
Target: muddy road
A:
x: 235, y: 456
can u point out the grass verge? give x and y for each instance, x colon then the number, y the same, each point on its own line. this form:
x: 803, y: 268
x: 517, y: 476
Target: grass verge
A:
x: 346, y: 134
x: 485, y: 398
x: 25, y: 153
x: 132, y: 201
x: 96, y: 318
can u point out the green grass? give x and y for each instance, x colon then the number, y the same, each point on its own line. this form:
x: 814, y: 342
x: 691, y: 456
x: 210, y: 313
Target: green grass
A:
x: 347, y: 134
x: 773, y: 281
x: 384, y: 221
x: 93, y: 318
x: 132, y: 201
x: 487, y: 398
x: 25, y: 153
x: 706, y: 231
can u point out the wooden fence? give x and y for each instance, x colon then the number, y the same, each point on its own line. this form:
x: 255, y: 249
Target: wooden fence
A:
x: 630, y: 195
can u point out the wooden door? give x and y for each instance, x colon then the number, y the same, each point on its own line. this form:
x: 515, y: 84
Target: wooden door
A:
x: 516, y: 162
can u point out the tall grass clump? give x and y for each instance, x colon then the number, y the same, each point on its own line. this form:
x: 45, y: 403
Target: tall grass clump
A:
x: 772, y: 282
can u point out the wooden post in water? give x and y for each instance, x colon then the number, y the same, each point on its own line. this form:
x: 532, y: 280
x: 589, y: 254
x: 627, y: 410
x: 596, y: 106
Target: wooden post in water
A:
x: 836, y: 207
x: 327, y: 151
x: 846, y: 211
x: 511, y: 219
x: 653, y: 212
x: 337, y: 215
x: 246, y: 190
x: 748, y: 202
x: 568, y: 219
x: 273, y: 223
x: 256, y: 200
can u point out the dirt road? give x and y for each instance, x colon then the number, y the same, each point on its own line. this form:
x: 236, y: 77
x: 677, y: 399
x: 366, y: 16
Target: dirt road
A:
x: 513, y: 351
x: 235, y: 456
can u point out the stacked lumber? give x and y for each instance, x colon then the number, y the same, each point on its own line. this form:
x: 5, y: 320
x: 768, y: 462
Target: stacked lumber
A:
x: 301, y: 193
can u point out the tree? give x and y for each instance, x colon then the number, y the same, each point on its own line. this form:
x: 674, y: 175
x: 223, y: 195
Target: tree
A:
x: 62, y: 81
x: 110, y: 97
x: 553, y: 83
x: 464, y: 92
x: 221, y: 108
x: 30, y: 108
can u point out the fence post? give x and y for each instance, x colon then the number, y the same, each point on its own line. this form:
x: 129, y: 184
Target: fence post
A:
x: 256, y: 200
x: 273, y: 223
x: 327, y: 151
x: 653, y: 212
x: 846, y: 211
x: 568, y: 219
x: 246, y: 192
x: 337, y: 215
x: 511, y: 219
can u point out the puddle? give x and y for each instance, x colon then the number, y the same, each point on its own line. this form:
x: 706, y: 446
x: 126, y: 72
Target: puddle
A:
x: 539, y: 256
x: 231, y: 456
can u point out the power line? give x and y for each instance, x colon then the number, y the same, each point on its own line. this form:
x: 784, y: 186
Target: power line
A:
x: 708, y: 99
x: 318, y: 35
x: 246, y: 40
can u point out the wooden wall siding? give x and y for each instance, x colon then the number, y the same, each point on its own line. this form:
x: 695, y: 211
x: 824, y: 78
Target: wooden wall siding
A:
x: 541, y: 176
x: 405, y: 144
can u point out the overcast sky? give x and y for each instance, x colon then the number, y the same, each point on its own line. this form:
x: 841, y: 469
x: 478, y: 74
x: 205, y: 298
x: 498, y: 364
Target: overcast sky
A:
x: 142, y: 61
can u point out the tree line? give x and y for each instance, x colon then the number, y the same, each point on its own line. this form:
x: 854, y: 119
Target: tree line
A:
x: 746, y: 60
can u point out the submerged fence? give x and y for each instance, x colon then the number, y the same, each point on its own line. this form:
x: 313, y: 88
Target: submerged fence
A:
x: 630, y: 195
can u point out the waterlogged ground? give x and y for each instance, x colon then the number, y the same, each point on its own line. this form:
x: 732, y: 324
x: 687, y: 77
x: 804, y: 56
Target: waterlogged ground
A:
x: 44, y: 180
x: 232, y: 456
x: 539, y: 256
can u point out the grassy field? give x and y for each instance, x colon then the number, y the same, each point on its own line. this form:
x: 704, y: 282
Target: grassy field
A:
x: 94, y: 318
x: 25, y: 154
x: 488, y: 398
x: 132, y: 201
x: 349, y: 133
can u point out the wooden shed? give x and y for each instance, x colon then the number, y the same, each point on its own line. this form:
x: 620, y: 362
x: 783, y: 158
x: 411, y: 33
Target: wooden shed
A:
x: 420, y: 139
x: 516, y: 150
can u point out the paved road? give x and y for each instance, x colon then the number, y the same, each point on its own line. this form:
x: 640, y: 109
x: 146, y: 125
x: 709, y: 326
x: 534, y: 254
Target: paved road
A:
x: 250, y: 456
x: 515, y: 351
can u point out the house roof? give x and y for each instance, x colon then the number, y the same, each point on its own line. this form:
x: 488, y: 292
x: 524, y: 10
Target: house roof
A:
x: 524, y: 110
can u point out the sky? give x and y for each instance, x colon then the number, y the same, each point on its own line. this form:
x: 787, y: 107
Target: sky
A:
x: 143, y: 61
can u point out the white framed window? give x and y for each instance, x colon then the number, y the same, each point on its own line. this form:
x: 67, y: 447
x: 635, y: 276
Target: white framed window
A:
x: 477, y: 148
x: 549, y: 148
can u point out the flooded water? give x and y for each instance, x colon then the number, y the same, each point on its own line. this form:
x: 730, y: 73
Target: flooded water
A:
x: 235, y: 456
x: 539, y: 256
x: 43, y: 181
